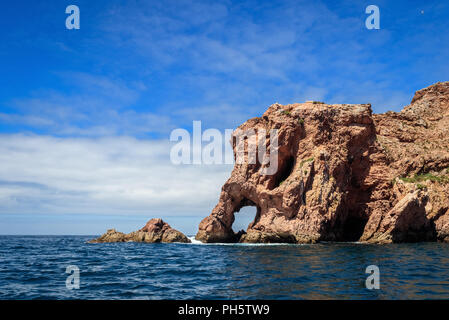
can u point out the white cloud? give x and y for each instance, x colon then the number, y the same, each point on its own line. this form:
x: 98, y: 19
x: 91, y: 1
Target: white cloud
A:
x: 300, y: 51
x: 94, y: 105
x: 121, y: 175
x: 215, y: 62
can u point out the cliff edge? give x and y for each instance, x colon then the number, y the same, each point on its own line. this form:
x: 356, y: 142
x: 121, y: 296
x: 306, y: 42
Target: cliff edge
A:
x: 344, y: 174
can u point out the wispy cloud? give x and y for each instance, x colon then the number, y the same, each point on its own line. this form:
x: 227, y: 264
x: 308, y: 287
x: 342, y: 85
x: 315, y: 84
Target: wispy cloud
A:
x: 250, y: 53
x: 121, y: 175
x: 91, y: 106
x: 157, y: 66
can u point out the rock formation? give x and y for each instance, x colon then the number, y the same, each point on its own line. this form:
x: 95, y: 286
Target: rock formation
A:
x: 156, y: 230
x: 344, y: 174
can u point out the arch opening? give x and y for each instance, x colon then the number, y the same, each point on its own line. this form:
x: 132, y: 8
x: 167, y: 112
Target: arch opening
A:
x: 244, y: 218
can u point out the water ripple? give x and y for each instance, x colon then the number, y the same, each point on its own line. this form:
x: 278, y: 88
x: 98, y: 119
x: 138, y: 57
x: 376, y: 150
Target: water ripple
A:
x: 33, y: 267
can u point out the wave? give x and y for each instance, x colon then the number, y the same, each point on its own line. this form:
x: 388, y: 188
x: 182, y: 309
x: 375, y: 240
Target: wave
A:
x: 194, y: 241
x: 197, y: 242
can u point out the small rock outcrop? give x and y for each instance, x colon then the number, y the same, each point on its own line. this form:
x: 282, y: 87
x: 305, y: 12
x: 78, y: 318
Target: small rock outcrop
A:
x: 344, y: 174
x: 156, y: 230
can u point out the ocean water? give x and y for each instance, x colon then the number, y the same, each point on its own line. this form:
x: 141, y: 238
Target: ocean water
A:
x: 33, y: 267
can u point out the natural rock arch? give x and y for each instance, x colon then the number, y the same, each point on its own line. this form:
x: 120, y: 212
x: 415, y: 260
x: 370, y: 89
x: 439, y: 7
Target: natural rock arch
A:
x: 342, y: 175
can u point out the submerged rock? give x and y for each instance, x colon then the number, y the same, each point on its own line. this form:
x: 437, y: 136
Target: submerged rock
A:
x: 156, y: 230
x: 344, y: 174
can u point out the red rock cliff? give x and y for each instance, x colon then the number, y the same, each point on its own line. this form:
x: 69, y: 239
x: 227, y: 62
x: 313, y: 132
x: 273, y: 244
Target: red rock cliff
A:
x: 344, y: 174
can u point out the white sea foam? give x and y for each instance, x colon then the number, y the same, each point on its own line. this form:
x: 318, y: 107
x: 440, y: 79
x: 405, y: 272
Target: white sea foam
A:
x: 197, y: 242
x: 194, y: 241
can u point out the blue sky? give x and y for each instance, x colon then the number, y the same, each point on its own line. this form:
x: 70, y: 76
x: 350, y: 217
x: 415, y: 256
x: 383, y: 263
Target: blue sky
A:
x: 85, y: 115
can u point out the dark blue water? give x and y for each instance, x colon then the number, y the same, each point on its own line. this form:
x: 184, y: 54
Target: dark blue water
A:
x: 33, y: 267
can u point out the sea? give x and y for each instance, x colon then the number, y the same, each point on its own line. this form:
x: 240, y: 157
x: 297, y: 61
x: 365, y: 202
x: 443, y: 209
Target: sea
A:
x: 67, y: 267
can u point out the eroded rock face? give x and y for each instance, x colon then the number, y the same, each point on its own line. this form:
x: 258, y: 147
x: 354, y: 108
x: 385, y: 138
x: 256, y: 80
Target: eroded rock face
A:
x: 156, y: 230
x: 344, y: 174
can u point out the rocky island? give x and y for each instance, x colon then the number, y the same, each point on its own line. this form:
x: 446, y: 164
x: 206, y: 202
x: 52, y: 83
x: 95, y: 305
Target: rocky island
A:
x: 344, y: 174
x: 156, y: 230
